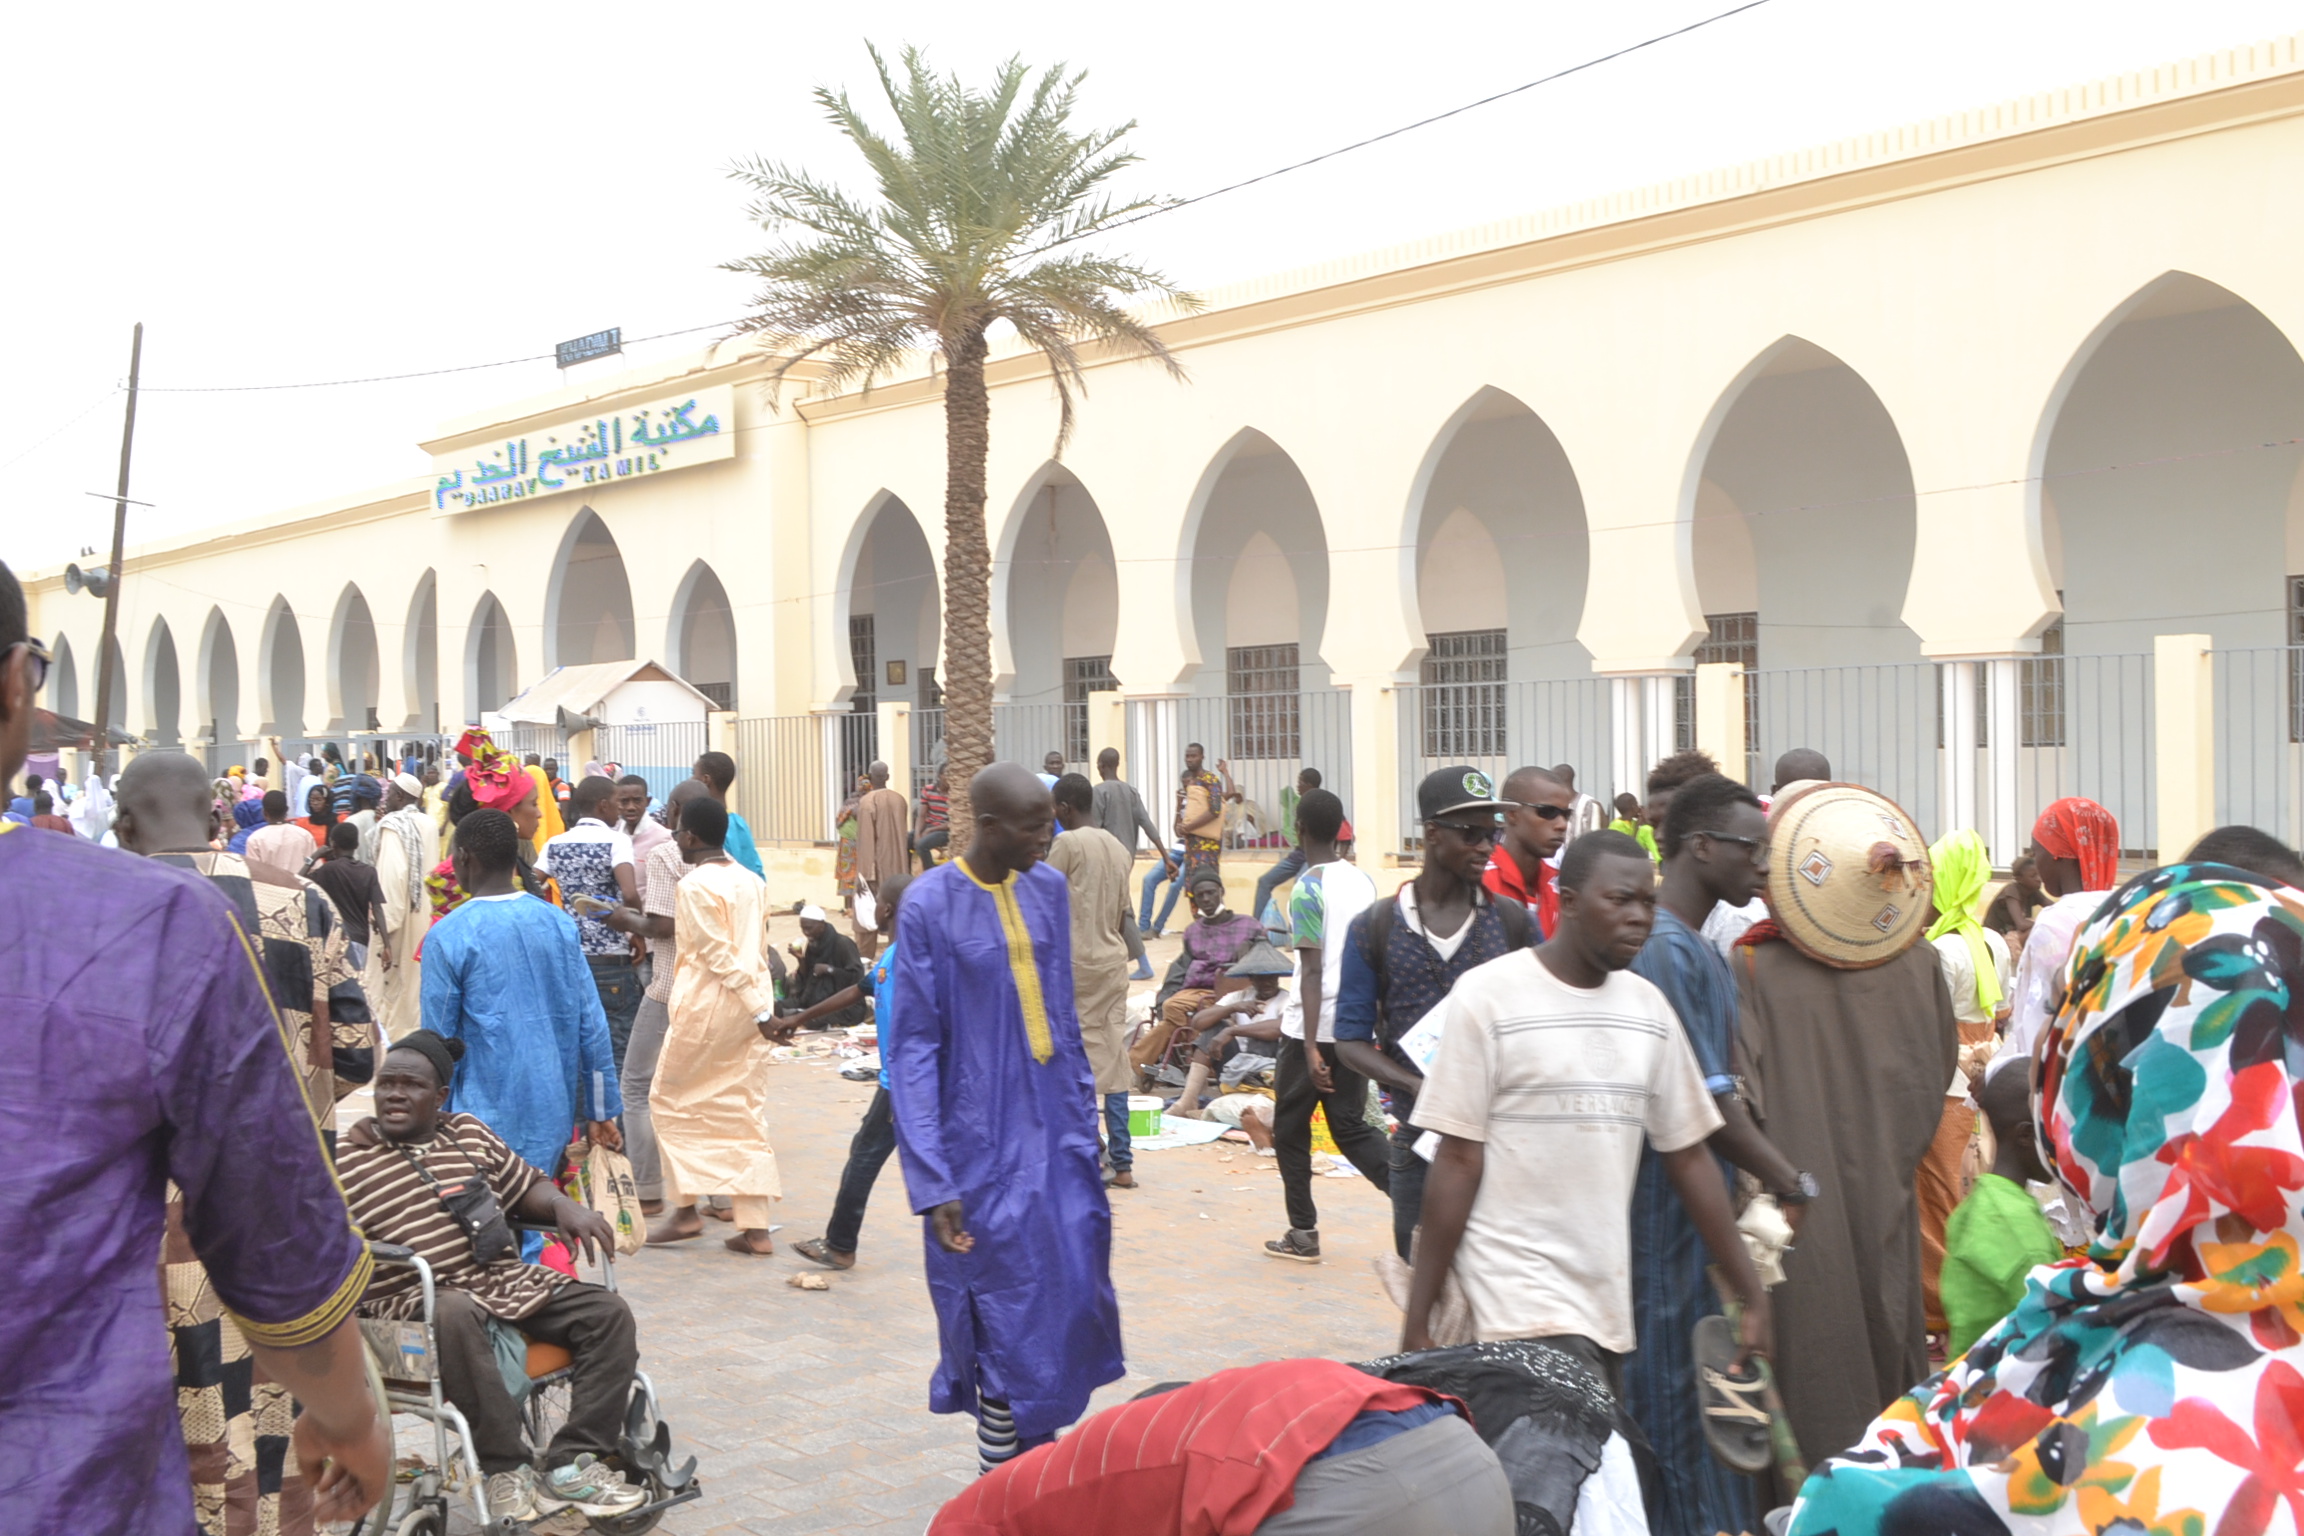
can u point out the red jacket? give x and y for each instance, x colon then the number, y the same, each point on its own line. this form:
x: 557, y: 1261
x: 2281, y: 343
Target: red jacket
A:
x: 1216, y: 1458
x: 1504, y: 879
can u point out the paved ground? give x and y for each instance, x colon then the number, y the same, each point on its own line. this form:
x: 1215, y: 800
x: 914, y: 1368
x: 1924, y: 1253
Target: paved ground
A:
x: 808, y: 1409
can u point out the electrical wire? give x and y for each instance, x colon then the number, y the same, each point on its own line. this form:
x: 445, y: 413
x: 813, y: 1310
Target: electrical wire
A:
x: 393, y: 378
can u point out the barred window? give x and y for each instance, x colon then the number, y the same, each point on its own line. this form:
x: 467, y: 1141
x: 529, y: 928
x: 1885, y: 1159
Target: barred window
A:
x: 1464, y: 694
x: 1728, y: 637
x: 1265, y: 708
x: 1083, y: 675
x: 2040, y: 689
x: 864, y: 653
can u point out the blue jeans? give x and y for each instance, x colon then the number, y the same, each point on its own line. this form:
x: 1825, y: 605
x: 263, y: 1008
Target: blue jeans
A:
x: 1116, y: 1132
x: 1272, y: 879
x: 618, y: 981
x: 1152, y: 879
x: 868, y: 1152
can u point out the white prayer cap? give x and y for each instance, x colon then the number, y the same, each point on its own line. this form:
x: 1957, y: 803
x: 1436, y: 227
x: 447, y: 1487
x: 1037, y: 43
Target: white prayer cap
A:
x: 811, y: 914
x: 409, y: 785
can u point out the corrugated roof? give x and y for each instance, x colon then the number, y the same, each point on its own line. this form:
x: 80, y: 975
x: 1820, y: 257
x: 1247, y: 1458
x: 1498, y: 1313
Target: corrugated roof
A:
x: 579, y: 690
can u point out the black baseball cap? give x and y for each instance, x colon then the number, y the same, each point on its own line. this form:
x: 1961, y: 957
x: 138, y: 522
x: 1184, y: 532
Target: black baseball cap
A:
x: 1446, y: 791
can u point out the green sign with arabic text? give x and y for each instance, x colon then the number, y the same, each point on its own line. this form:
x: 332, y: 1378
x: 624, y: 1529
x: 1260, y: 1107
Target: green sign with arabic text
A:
x: 593, y: 450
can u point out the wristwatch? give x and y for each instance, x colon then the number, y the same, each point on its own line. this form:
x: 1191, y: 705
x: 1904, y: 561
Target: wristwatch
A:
x: 768, y: 1016
x: 1802, y: 1191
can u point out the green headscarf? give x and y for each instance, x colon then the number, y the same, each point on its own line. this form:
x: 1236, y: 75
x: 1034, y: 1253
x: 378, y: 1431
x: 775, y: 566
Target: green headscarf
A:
x: 1962, y: 869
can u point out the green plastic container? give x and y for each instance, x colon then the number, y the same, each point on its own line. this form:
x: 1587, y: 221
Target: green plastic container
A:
x: 1143, y: 1115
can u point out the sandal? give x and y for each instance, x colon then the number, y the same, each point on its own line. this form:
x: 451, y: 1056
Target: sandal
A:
x: 815, y: 1252
x: 1735, y: 1414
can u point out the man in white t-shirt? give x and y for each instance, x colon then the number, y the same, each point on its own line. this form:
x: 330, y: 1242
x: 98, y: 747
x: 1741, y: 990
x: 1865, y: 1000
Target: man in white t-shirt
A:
x: 1325, y: 899
x: 1553, y: 1065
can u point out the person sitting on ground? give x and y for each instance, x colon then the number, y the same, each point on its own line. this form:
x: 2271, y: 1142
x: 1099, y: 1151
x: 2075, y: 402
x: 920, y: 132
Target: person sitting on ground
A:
x: 826, y: 964
x: 1215, y: 942
x: 1237, y: 1037
x: 1997, y: 1235
x: 2010, y: 914
x: 2251, y: 849
x: 400, y: 1169
x: 1285, y: 1448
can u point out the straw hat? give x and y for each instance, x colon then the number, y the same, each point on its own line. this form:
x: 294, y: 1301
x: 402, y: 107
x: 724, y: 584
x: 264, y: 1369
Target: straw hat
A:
x: 1848, y: 875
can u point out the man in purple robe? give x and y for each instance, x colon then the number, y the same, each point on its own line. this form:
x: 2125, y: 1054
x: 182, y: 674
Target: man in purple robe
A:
x: 140, y: 1047
x: 995, y: 1109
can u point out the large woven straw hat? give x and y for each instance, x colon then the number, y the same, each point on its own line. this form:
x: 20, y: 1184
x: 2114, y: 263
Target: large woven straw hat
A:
x: 1848, y: 875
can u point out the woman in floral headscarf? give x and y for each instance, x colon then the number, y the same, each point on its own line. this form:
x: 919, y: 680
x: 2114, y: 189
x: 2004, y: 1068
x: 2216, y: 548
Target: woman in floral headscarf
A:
x: 2156, y: 1387
x: 495, y: 782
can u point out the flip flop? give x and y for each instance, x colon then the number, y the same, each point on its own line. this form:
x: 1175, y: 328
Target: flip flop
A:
x: 814, y: 1251
x: 1735, y: 1415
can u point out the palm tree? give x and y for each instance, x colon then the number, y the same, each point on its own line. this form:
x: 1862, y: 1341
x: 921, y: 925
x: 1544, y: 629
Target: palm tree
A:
x: 982, y: 200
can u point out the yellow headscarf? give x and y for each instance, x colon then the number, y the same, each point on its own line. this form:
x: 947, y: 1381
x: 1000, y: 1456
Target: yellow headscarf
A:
x: 550, y: 826
x: 1962, y: 869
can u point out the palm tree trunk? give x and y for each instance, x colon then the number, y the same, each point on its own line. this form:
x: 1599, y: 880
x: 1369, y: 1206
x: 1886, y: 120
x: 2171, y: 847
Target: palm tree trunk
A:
x: 967, y: 579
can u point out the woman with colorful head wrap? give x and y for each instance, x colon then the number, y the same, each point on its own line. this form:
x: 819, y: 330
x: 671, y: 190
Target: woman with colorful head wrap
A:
x: 2077, y: 846
x: 2155, y: 1387
x: 1974, y: 960
x: 247, y: 816
x: 493, y: 781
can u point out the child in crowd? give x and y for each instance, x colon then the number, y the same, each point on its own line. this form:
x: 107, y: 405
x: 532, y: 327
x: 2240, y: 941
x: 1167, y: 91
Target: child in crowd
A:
x: 1632, y: 821
x: 2010, y: 914
x: 1998, y: 1234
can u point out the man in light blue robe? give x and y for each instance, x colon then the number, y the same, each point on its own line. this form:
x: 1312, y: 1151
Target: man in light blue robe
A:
x: 505, y: 974
x: 995, y: 1110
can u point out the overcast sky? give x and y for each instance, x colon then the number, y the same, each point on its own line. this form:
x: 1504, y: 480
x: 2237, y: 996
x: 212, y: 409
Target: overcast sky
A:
x: 286, y: 194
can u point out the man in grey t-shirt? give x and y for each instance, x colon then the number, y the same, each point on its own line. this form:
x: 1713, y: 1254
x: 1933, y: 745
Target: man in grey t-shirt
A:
x: 1115, y: 806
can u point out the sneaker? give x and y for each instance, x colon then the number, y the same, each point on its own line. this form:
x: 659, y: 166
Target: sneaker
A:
x: 587, y: 1485
x: 1302, y: 1246
x: 1143, y: 971
x: 512, y: 1495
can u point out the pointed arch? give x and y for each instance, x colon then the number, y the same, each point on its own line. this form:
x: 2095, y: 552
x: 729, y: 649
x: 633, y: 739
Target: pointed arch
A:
x: 588, y: 598
x: 280, y: 673
x: 491, y: 664
x: 1055, y: 593
x: 888, y: 604
x: 700, y: 634
x: 64, y: 681
x: 163, y: 686
x: 216, y: 681
x: 354, y: 672
x: 118, y: 713
x: 420, y: 657
x: 1251, y: 485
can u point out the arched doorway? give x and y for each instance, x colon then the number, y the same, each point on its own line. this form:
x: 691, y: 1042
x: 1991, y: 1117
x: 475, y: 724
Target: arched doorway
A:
x: 1059, y: 616
x: 353, y: 666
x: 117, y: 715
x: 216, y: 694
x: 420, y: 657
x: 64, y: 681
x: 702, y: 642
x: 893, y: 619
x: 2171, y: 501
x: 588, y: 603
x: 283, y: 673
x: 1802, y: 528
x: 1503, y: 557
x: 163, y: 686
x: 491, y: 669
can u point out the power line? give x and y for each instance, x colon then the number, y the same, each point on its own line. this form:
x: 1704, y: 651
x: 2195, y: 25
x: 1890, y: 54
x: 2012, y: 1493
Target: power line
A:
x: 392, y: 378
x: 99, y: 402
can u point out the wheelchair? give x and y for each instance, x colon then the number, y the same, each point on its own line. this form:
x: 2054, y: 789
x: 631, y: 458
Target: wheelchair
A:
x: 406, y: 1355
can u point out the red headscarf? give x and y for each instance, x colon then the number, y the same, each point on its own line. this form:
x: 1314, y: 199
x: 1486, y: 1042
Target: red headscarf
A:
x: 496, y: 782
x: 475, y: 743
x: 2074, y: 828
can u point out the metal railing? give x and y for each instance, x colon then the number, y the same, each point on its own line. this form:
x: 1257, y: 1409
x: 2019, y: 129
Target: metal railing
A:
x: 793, y: 772
x: 1497, y: 727
x: 1264, y: 740
x: 2259, y: 694
x: 2086, y: 729
x: 1877, y: 724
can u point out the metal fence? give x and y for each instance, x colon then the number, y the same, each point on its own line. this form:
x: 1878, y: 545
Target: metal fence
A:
x: 794, y: 771
x: 2259, y: 694
x: 1264, y: 741
x: 1879, y: 726
x: 1497, y: 727
x: 2085, y: 728
x: 662, y: 753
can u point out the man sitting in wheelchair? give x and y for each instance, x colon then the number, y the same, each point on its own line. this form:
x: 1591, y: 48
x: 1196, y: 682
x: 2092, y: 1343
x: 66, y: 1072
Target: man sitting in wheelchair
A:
x: 442, y: 1185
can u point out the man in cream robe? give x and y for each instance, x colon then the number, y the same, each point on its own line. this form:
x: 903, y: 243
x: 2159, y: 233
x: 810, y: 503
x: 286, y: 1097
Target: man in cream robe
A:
x: 407, y: 849
x: 709, y: 1099
x: 1104, y: 940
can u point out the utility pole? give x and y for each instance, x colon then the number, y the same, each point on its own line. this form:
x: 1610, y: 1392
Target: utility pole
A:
x: 105, y: 681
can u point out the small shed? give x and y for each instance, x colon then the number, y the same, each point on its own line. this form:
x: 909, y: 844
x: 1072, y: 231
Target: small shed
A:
x: 639, y: 715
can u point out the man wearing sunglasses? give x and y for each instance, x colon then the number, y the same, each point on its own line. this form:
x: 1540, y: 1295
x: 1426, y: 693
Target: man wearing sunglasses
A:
x: 1537, y: 812
x: 1402, y: 956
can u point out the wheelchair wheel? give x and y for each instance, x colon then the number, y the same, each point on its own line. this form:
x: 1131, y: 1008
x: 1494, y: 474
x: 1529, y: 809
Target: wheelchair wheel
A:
x: 421, y: 1521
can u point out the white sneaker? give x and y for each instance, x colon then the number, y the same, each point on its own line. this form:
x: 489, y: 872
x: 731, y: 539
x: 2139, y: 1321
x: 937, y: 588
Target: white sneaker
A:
x: 512, y: 1495
x: 584, y: 1484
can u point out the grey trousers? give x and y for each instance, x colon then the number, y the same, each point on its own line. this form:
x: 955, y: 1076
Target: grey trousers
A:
x: 1439, y: 1480
x: 648, y: 1026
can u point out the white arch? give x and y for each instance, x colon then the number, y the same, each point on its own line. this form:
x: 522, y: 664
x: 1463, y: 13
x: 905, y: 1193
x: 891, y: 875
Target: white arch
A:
x: 420, y: 656
x: 352, y: 626
x: 1050, y: 474
x: 556, y: 588
x: 844, y: 588
x: 163, y: 686
x: 64, y: 680
x: 284, y: 717
x: 506, y: 672
x: 680, y: 623
x: 1248, y: 441
x: 215, y: 632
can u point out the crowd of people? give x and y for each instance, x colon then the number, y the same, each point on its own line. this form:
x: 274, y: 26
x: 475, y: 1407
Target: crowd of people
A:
x: 1738, y: 1149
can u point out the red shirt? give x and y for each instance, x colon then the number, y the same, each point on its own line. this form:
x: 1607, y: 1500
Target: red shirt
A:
x: 1216, y: 1458
x: 1504, y: 879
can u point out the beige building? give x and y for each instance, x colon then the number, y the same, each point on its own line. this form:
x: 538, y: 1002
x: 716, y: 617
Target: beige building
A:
x: 1934, y: 432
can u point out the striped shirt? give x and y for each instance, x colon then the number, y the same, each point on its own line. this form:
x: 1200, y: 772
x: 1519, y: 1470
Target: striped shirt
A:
x: 393, y: 1204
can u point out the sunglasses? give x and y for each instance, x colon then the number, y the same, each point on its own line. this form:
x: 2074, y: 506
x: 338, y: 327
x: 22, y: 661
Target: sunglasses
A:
x: 37, y: 662
x: 1484, y: 833
x: 1544, y: 812
x: 1723, y: 837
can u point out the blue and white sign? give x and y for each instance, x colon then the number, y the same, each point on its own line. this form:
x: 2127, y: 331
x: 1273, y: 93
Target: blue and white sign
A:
x: 602, y: 448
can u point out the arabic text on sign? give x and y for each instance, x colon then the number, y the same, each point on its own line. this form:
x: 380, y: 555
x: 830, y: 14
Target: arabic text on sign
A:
x: 668, y: 434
